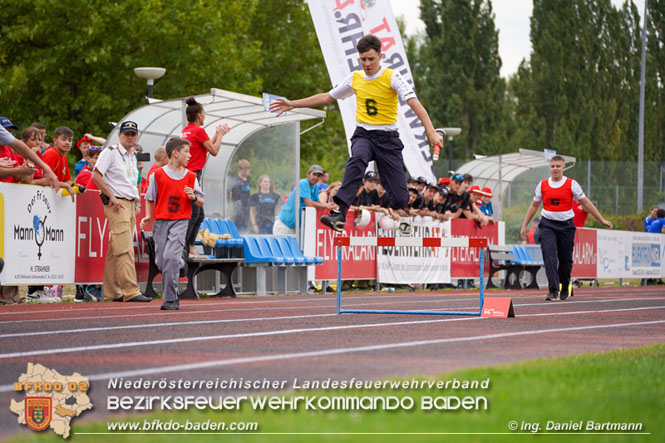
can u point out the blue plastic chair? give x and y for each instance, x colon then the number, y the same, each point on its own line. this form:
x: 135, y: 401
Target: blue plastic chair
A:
x: 233, y: 229
x: 295, y: 249
x: 263, y: 246
x: 277, y: 251
x: 286, y: 249
x: 253, y: 253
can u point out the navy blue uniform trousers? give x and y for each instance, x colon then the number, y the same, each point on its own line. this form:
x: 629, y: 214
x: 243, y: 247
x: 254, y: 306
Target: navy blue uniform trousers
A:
x: 557, y: 241
x: 385, y: 148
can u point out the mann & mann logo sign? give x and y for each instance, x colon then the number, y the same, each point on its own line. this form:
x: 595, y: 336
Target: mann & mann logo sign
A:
x: 39, y: 207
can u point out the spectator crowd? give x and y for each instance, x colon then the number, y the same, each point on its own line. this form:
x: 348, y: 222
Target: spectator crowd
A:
x: 255, y: 206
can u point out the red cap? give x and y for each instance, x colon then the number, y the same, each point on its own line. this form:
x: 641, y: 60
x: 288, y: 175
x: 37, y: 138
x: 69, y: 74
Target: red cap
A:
x: 475, y: 189
x: 84, y: 139
x: 487, y: 192
x: 444, y: 181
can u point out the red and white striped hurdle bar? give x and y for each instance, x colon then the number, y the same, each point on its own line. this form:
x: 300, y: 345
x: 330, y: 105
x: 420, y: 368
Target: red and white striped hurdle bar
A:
x: 427, y: 242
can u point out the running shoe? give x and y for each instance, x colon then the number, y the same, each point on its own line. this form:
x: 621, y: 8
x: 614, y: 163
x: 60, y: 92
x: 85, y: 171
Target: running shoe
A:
x: 334, y: 221
x: 42, y: 296
x: 170, y: 305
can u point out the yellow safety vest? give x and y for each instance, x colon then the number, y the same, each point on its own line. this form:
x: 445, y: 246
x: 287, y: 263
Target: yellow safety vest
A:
x: 376, y: 102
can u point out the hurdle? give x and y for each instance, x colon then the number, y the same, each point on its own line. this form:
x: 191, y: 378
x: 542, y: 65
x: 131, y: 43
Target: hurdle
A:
x: 425, y: 242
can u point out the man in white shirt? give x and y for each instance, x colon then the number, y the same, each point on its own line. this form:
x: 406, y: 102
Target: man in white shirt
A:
x: 378, y: 90
x: 116, y: 174
x: 557, y: 230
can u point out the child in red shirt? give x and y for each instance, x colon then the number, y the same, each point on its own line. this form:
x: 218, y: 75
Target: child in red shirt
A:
x: 55, y: 156
x: 84, y: 178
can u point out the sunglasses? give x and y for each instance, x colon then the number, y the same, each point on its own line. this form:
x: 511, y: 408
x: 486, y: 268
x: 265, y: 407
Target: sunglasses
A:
x: 458, y: 177
x: 96, y: 148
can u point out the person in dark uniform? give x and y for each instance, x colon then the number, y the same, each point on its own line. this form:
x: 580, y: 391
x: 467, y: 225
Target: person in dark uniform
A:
x: 239, y: 195
x: 368, y: 195
x: 378, y: 91
x: 557, y: 230
x: 263, y: 205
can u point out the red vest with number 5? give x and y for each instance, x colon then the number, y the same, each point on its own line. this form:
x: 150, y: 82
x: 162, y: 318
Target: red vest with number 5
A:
x: 557, y: 199
x: 172, y: 202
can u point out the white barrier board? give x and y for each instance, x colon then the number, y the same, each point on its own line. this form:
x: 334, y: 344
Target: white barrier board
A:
x: 38, y: 232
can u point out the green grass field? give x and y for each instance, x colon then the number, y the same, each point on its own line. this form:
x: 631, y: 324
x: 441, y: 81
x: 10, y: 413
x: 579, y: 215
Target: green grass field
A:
x: 617, y: 386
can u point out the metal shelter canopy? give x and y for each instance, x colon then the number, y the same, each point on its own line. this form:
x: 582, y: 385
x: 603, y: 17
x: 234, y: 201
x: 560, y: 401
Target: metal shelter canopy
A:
x: 161, y: 120
x: 497, y: 172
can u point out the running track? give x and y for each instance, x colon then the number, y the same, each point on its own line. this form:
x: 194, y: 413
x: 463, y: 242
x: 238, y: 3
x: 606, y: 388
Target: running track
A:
x: 280, y: 338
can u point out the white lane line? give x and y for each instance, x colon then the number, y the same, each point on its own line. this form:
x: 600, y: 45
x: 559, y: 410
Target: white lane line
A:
x: 218, y: 337
x: 337, y: 351
x: 267, y: 333
x: 276, y: 308
x: 289, y: 317
x: 157, y: 325
x: 251, y: 300
x: 310, y: 307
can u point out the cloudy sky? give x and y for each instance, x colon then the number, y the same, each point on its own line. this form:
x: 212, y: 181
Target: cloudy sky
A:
x: 511, y: 17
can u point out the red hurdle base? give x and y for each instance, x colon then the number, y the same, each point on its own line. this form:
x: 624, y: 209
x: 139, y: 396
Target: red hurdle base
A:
x: 498, y: 307
x: 426, y: 242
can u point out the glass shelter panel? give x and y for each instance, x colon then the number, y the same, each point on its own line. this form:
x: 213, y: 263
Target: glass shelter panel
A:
x: 254, y: 183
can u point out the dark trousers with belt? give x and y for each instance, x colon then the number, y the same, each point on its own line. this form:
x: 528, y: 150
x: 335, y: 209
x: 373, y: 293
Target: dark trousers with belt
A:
x: 195, y: 221
x: 557, y: 241
x: 385, y: 148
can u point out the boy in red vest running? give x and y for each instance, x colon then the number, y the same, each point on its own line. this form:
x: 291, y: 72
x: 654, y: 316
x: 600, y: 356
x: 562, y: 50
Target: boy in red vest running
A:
x: 168, y: 197
x: 557, y: 231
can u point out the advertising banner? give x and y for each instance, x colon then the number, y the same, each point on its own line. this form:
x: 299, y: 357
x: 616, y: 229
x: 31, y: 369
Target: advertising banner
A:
x: 613, y: 250
x: 92, y: 239
x: 408, y: 265
x: 584, y: 254
x: 38, y: 232
x: 358, y: 262
x: 645, y: 255
x: 466, y: 261
x: 339, y: 25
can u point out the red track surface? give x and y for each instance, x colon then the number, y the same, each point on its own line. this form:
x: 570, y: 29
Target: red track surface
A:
x: 280, y: 338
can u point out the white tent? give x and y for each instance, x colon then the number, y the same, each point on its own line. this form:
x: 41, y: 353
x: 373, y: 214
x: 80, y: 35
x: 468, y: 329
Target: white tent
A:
x: 498, y: 171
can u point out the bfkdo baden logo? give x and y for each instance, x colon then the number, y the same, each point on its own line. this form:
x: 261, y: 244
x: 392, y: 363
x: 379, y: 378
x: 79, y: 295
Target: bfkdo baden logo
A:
x: 38, y: 412
x: 38, y: 230
x: 51, y: 399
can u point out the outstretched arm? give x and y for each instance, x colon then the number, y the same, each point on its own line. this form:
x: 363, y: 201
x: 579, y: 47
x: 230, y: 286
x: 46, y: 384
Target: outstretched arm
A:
x: 282, y: 105
x: 434, y: 137
x: 22, y: 149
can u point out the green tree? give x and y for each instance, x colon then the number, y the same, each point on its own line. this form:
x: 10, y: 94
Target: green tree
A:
x: 71, y: 62
x: 293, y: 66
x: 457, y: 73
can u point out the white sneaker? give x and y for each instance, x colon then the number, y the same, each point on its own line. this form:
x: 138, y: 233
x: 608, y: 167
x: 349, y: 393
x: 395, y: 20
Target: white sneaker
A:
x: 42, y: 296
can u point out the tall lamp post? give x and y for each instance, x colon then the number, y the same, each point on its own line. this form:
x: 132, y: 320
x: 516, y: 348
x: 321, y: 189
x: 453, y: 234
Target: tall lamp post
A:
x: 451, y: 132
x: 151, y: 74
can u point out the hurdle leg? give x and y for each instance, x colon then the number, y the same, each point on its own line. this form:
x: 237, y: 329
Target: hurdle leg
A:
x: 482, y: 280
x: 339, y: 279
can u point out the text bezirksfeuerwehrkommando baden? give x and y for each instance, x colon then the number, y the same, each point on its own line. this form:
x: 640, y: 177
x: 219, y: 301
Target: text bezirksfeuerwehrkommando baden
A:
x: 337, y: 394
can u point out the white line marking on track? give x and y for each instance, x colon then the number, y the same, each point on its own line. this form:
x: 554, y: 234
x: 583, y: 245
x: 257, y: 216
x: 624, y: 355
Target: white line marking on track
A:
x: 331, y: 306
x: 298, y: 299
x: 270, y: 333
x: 290, y: 317
x: 336, y: 351
x: 219, y: 337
